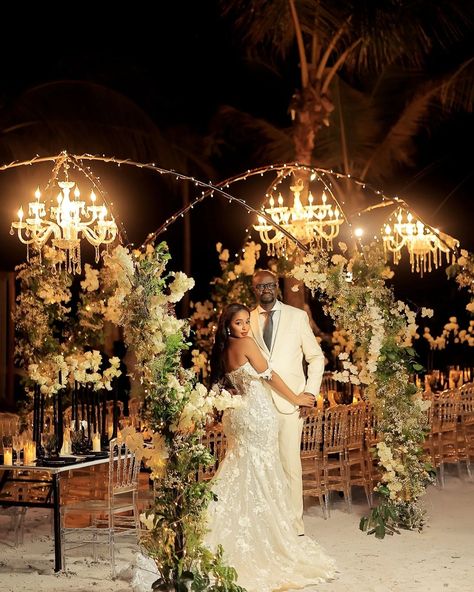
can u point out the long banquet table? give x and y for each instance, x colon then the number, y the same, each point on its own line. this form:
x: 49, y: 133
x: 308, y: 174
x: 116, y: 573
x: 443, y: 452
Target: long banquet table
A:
x: 29, y: 474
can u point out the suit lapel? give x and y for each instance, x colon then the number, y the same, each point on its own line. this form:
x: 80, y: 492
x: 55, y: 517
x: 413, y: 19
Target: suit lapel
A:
x: 256, y: 330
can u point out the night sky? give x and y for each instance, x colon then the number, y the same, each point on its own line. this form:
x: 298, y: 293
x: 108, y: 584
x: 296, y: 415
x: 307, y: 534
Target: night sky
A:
x: 164, y: 74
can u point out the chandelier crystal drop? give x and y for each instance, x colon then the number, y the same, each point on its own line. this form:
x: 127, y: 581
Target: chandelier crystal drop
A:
x: 425, y: 245
x: 68, y: 221
x: 311, y: 223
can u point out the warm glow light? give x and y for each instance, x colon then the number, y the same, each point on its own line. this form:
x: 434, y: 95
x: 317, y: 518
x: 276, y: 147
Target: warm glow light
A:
x: 65, y: 225
x: 309, y: 222
x: 425, y: 245
x: 358, y: 232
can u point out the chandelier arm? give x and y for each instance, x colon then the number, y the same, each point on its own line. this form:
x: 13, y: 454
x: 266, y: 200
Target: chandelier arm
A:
x: 44, y: 235
x: 94, y: 239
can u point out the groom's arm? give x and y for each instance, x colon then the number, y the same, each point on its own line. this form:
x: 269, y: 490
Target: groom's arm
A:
x: 313, y: 355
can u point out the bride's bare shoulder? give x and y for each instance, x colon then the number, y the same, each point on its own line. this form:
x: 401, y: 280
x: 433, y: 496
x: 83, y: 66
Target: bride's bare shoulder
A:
x: 242, y: 344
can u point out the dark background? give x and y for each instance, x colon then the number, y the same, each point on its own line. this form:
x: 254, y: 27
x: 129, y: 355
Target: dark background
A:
x: 164, y: 71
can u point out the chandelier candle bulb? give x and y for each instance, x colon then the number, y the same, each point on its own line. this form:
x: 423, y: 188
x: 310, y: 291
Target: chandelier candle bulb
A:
x: 309, y: 222
x: 68, y: 222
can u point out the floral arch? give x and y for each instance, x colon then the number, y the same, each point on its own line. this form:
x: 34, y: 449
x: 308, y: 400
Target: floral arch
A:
x: 134, y: 290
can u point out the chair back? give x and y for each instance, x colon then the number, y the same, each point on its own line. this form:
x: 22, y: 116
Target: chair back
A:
x: 355, y: 427
x: 335, y: 419
x: 312, y: 435
x: 123, y: 469
x: 445, y: 411
x: 466, y: 406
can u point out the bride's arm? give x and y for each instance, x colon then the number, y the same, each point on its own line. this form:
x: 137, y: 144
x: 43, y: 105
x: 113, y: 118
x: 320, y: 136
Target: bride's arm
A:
x: 260, y: 364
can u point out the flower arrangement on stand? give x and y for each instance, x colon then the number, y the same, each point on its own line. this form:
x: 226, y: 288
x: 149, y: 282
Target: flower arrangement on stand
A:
x: 141, y: 299
x: 380, y: 331
x: 59, y: 369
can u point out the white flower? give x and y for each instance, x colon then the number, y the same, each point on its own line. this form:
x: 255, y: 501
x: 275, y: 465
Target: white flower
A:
x: 181, y: 284
x: 91, y: 279
x: 427, y: 312
x: 338, y: 259
x: 148, y: 521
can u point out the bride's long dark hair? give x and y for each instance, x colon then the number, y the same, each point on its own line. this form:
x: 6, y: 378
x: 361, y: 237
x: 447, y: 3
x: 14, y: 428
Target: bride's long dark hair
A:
x: 221, y: 340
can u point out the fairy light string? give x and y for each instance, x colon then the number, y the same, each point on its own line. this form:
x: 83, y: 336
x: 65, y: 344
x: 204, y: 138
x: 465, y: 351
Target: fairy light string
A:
x: 209, y: 189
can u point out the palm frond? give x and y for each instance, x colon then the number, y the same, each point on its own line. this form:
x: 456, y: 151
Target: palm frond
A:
x: 457, y: 90
x: 250, y: 139
x: 80, y: 117
x: 355, y: 128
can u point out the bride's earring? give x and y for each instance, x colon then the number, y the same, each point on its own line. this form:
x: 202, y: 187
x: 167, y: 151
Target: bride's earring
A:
x: 228, y: 331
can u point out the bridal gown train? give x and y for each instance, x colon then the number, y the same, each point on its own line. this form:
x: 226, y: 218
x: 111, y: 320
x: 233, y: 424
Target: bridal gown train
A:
x: 252, y: 518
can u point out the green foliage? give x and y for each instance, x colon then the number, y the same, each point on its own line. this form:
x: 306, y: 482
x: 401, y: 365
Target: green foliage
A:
x: 174, y: 401
x: 382, y: 520
x: 383, y: 360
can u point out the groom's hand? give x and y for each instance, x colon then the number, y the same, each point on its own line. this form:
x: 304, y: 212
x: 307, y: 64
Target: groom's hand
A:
x: 307, y: 401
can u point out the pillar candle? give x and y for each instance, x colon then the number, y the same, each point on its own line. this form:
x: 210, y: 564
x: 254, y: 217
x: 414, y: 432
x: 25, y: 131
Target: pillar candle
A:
x: 96, y: 442
x: 7, y: 456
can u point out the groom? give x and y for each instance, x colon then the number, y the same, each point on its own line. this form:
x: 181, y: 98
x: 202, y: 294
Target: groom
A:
x: 284, y: 335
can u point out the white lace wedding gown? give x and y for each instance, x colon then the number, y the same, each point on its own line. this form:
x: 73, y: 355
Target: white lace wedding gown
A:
x: 253, y: 519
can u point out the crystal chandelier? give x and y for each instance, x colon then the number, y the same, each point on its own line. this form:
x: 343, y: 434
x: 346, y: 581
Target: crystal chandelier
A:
x: 67, y: 222
x: 312, y: 223
x: 425, y: 245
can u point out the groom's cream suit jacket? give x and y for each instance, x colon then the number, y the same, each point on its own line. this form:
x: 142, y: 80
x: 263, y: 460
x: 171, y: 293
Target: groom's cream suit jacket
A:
x: 292, y: 341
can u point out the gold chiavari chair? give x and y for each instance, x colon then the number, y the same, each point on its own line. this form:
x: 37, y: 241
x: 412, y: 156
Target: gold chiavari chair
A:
x: 357, y: 471
x: 311, y: 458
x: 372, y: 437
x: 333, y: 455
x: 466, y: 425
x: 443, y: 435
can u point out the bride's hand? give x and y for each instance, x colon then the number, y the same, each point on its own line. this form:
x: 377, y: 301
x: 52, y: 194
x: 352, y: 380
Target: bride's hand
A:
x: 306, y: 400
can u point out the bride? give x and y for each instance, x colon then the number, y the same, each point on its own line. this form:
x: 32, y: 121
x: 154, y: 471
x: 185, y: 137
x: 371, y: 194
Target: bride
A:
x: 252, y: 518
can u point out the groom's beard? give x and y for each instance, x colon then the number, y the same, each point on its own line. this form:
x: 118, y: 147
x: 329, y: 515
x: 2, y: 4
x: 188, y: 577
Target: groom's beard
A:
x: 267, y: 298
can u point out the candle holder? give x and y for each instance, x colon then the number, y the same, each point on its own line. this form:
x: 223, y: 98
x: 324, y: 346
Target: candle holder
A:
x: 49, y: 443
x: 80, y: 443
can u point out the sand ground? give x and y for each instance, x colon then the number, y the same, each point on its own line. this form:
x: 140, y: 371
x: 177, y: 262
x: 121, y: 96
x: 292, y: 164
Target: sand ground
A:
x: 439, y: 559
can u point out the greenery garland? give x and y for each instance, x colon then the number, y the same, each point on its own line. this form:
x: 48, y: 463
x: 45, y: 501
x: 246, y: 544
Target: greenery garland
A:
x: 355, y: 295
x: 142, y: 297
